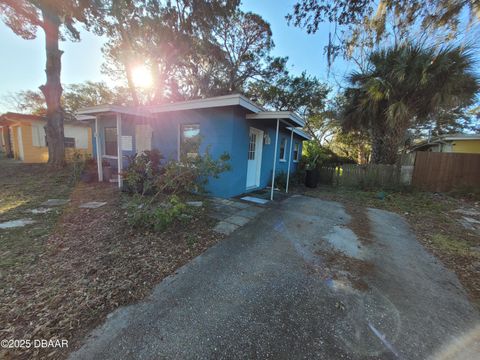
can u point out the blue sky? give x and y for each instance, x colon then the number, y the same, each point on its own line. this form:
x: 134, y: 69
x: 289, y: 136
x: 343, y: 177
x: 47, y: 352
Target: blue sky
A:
x: 23, y: 61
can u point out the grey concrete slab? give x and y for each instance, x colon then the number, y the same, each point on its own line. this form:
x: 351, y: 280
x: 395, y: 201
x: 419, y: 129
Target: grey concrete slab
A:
x: 267, y: 292
x: 40, y: 210
x: 92, y: 205
x: 237, y: 220
x: 251, y: 212
x: 16, y: 223
x: 225, y: 228
x: 55, y: 202
x: 240, y: 205
x: 195, y: 203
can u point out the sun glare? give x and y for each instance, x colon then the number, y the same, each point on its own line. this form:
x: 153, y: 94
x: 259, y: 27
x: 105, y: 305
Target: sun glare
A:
x: 142, y: 76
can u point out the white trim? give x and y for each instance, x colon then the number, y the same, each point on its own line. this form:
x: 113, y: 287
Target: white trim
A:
x: 218, y: 101
x: 274, y: 159
x: 109, y: 157
x: 119, y: 150
x: 289, y: 161
x: 284, y: 157
x: 293, y: 118
x: 102, y: 109
x: 258, y: 156
x: 99, y: 151
x: 21, y: 152
x: 300, y: 133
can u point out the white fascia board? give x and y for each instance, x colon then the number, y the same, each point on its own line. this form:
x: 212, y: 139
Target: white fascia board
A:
x: 300, y: 133
x: 454, y: 138
x: 113, y: 109
x: 296, y: 119
x: 219, y: 101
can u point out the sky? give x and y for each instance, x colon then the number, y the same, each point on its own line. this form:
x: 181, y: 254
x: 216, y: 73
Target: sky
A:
x: 22, y: 62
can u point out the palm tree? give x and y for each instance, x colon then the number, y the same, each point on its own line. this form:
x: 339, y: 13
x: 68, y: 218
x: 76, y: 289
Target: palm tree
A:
x: 405, y: 86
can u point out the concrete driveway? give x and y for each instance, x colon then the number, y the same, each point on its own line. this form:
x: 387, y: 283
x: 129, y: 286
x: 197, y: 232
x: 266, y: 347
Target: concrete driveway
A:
x: 296, y: 282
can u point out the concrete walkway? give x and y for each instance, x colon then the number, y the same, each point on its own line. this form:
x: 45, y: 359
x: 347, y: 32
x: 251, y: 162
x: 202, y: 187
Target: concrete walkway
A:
x: 269, y: 291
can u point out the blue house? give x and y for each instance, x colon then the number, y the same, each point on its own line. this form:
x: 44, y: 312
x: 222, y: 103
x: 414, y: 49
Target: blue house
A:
x: 261, y: 144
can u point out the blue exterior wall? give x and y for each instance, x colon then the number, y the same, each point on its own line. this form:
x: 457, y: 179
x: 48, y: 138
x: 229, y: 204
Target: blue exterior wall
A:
x: 221, y: 130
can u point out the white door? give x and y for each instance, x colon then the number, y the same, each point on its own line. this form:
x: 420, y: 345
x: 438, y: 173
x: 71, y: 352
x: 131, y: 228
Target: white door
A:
x: 143, y: 138
x: 254, y: 166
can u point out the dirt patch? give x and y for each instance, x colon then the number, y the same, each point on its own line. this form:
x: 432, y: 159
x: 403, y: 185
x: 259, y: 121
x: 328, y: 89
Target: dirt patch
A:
x: 341, y: 267
x: 91, y: 264
x: 359, y: 223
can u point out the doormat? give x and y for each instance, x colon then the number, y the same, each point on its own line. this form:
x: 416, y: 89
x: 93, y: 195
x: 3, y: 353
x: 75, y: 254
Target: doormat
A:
x: 254, y: 200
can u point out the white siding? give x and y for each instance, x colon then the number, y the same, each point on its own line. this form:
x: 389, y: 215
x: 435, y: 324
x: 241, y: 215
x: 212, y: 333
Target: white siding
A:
x: 79, y: 133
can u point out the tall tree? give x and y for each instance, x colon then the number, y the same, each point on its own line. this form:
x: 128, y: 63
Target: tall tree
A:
x: 304, y: 94
x: 365, y: 24
x: 404, y: 87
x: 193, y: 48
x: 56, y: 19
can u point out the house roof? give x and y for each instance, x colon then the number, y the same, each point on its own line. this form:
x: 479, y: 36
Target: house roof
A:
x: 300, y: 133
x: 442, y: 139
x: 12, y: 117
x: 257, y: 112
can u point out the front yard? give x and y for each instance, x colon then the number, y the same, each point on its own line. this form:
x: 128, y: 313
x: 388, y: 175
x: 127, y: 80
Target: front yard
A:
x: 448, y: 226
x: 62, y: 274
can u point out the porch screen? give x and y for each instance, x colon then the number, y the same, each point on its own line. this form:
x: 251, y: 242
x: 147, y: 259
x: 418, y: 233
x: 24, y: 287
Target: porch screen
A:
x: 111, y: 141
x: 189, y: 141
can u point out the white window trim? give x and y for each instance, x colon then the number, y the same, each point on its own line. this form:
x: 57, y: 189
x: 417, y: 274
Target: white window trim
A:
x: 285, y: 142
x: 109, y: 157
x: 298, y: 152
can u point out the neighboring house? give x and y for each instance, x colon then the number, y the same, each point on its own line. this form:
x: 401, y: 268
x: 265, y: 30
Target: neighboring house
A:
x: 454, y: 143
x: 260, y: 143
x: 23, y: 137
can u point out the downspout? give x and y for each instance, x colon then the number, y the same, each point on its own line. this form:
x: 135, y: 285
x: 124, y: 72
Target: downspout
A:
x: 119, y: 150
x: 274, y: 159
x: 289, y: 161
x: 99, y: 151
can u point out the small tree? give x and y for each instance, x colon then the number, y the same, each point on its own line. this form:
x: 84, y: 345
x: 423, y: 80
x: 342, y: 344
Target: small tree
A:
x: 24, y: 17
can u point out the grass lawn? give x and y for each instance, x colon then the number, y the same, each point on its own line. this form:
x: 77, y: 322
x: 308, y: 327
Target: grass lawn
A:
x: 433, y: 218
x: 62, y: 275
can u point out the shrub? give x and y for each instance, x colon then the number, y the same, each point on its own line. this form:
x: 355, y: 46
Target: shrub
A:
x: 142, y: 172
x: 155, y: 217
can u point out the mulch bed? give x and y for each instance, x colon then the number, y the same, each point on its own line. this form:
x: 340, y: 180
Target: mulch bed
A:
x: 93, y: 263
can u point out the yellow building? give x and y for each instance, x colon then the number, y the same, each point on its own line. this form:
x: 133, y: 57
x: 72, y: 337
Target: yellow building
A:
x: 455, y: 143
x: 23, y: 138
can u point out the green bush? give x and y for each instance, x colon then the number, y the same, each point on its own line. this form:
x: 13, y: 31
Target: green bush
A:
x: 145, y: 174
x: 156, y: 216
x: 142, y: 171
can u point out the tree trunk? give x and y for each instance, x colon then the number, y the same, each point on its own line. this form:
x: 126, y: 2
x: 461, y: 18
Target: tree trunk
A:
x: 385, y: 146
x: 52, y: 90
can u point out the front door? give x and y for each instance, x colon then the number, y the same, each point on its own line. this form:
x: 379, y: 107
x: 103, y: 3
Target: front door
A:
x: 254, y: 166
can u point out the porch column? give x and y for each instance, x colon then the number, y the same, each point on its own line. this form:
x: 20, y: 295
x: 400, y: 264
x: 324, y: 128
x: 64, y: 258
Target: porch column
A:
x: 119, y: 150
x: 274, y: 159
x: 289, y: 161
x: 99, y: 151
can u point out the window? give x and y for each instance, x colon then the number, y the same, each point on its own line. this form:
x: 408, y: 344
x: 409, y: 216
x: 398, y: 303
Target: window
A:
x: 189, y: 141
x: 283, y: 149
x: 69, y: 142
x: 251, y: 146
x: 296, y: 152
x: 111, y: 141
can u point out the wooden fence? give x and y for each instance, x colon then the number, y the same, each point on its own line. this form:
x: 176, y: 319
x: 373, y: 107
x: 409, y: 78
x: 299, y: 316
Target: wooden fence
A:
x: 370, y: 175
x: 429, y: 171
x: 435, y: 171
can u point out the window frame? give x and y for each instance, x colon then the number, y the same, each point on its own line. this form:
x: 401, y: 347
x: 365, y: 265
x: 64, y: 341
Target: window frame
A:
x: 111, y: 156
x: 296, y: 158
x: 181, y: 138
x: 284, y: 142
